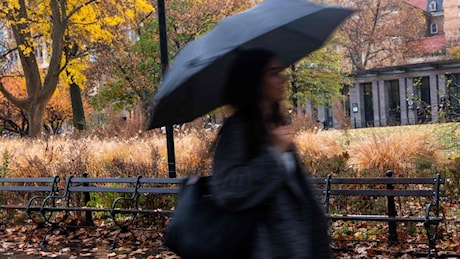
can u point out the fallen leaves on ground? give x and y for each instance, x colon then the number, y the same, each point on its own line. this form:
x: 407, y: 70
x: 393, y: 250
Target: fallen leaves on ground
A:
x: 366, y: 239
x: 146, y: 243
x: 87, y: 242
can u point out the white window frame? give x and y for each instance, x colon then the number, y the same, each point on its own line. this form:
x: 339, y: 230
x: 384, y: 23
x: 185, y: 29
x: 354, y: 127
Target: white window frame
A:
x: 432, y: 6
x: 434, y: 28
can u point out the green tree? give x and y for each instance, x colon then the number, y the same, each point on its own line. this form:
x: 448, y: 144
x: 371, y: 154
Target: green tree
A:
x: 318, y: 78
x: 134, y: 66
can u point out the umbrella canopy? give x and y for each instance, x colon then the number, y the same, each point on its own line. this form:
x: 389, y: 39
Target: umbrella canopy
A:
x: 193, y: 84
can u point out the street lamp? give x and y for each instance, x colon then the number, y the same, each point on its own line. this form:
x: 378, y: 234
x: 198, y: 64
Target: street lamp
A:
x: 164, y: 65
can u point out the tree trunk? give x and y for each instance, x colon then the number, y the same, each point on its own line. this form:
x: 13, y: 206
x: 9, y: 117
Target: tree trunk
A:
x: 78, y: 111
x: 35, y: 116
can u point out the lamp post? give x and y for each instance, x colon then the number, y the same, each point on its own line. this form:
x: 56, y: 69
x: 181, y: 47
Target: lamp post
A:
x: 164, y: 64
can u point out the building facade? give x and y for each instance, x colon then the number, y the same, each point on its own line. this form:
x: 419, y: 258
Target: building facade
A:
x: 406, y: 95
x: 423, y: 91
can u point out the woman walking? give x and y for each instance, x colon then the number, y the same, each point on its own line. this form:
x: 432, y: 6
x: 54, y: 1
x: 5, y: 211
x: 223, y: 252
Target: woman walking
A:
x: 255, y: 164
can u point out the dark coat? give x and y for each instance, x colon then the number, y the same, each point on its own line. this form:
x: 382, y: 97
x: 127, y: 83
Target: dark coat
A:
x: 294, y: 225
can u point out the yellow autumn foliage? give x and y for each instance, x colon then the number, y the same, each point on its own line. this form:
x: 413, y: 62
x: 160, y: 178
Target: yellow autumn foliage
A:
x: 88, y: 23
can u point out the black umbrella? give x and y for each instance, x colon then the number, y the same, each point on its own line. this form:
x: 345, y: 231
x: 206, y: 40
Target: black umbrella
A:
x: 192, y: 86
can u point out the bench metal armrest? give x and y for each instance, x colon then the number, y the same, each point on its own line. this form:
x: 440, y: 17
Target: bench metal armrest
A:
x: 29, y: 203
x: 327, y: 193
x: 29, y: 210
x: 53, y: 197
x: 117, y: 200
x: 428, y: 218
x: 54, y: 189
x: 134, y: 197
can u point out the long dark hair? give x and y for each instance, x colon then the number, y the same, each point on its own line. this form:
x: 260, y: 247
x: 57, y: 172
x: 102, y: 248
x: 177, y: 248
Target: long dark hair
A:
x: 244, y: 93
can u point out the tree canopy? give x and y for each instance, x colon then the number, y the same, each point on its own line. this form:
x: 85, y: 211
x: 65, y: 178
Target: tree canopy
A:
x: 48, y: 37
x: 318, y: 77
x: 379, y: 33
x: 135, y: 66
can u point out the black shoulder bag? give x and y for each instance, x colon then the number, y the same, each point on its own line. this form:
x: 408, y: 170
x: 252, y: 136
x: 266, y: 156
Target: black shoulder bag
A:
x: 199, y: 229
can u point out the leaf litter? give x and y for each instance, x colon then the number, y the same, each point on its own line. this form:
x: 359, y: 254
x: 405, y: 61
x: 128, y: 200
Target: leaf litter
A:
x: 94, y: 242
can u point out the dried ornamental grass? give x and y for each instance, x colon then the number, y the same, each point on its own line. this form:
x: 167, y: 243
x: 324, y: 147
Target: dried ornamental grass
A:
x: 313, y: 145
x: 392, y: 150
x: 147, y: 155
x: 192, y: 154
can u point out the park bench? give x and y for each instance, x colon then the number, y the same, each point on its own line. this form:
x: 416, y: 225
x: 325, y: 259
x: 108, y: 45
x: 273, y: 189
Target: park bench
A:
x: 125, y: 206
x: 366, y: 190
x: 125, y: 195
x: 27, y: 194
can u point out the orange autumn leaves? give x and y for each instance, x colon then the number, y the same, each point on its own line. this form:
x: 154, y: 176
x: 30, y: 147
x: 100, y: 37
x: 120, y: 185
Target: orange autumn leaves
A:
x: 58, y: 110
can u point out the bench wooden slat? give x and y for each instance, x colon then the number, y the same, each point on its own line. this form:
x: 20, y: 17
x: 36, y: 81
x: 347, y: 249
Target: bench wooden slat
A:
x: 116, y: 210
x: 159, y: 190
x: 33, y: 208
x: 162, y: 180
x: 66, y: 208
x: 27, y: 188
x: 384, y: 180
x: 375, y: 192
x: 382, y: 218
x: 101, y: 189
x: 317, y: 180
x: 318, y: 192
x: 143, y: 211
x: 27, y: 180
x: 103, y: 180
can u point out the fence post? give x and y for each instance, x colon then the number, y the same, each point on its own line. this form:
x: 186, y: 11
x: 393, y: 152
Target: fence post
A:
x: 87, y: 198
x: 392, y: 234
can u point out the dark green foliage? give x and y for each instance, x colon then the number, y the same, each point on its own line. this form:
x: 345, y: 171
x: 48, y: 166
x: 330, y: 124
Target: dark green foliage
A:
x: 451, y: 171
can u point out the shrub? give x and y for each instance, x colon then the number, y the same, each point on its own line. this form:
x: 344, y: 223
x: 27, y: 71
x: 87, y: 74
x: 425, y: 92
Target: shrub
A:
x: 304, y: 122
x: 451, y: 171
x: 392, y: 151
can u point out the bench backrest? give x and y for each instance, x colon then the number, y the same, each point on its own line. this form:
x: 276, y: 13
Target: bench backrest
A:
x: 160, y: 185
x: 135, y: 185
x: 39, y: 184
x: 132, y: 187
x: 382, y: 187
x: 85, y: 184
x: 388, y: 186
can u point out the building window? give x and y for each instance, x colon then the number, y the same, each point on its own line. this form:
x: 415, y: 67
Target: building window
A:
x: 453, y: 96
x: 423, y: 95
x: 345, y: 91
x: 432, y: 7
x: 368, y: 104
x: 434, y: 28
x: 394, y: 102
